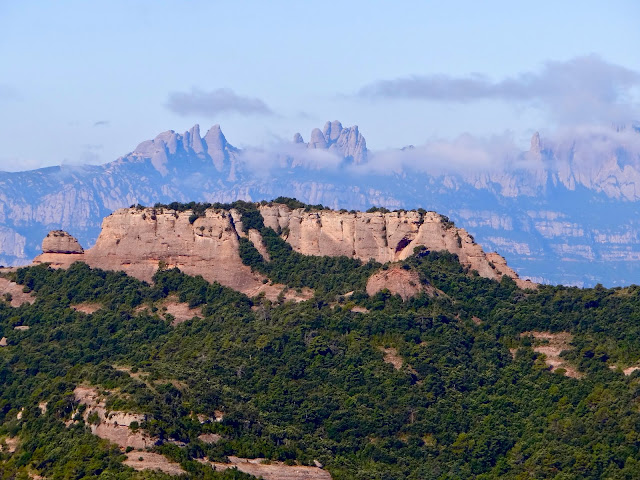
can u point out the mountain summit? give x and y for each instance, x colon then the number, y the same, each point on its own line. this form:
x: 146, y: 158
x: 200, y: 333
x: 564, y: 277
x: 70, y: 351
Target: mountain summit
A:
x: 344, y: 142
x: 169, y: 150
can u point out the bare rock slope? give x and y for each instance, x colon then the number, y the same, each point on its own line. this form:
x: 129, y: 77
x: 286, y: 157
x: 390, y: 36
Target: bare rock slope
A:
x: 135, y: 240
x: 384, y: 237
x: 398, y: 281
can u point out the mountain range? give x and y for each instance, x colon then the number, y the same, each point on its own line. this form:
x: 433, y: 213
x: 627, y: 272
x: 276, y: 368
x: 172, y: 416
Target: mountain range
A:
x: 563, y: 211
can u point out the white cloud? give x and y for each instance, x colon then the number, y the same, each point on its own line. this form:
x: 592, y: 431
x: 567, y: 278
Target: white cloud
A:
x: 581, y: 90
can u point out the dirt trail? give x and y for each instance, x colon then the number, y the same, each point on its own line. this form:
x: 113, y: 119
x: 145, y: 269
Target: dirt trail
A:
x: 152, y: 461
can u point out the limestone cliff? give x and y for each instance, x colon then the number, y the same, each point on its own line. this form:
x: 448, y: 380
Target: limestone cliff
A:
x: 135, y: 240
x: 384, y: 237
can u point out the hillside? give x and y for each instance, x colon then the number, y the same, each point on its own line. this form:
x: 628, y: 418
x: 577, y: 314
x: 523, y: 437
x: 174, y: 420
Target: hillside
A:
x: 563, y: 211
x: 467, y: 377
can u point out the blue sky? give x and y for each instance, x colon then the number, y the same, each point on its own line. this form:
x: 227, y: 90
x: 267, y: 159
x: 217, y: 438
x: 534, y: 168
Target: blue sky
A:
x: 85, y: 82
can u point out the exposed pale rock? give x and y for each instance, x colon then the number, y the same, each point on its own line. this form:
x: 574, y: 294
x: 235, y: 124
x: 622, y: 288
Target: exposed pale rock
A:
x: 133, y: 241
x: 18, y: 296
x: 210, y: 437
x: 352, y: 145
x: 59, y: 241
x: 536, y: 149
x: 318, y: 139
x: 344, y: 142
x: 332, y: 130
x: 384, y: 237
x: 136, y: 240
x: 193, y: 140
x: 272, y: 470
x: 152, y: 461
x: 216, y: 146
x: 12, y: 243
x: 258, y: 242
x: 398, y: 281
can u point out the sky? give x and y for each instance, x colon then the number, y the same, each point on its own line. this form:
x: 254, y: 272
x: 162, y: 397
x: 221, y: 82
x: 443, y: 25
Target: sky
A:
x: 85, y: 82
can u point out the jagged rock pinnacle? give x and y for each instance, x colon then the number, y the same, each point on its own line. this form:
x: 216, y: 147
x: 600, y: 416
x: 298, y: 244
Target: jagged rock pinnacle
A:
x: 216, y: 143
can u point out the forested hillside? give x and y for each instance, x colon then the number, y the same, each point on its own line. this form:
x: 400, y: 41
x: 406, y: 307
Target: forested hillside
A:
x: 452, y: 384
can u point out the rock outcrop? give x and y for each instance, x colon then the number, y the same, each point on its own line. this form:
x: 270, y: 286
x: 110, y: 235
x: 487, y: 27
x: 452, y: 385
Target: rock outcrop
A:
x: 59, y: 241
x: 344, y: 142
x: 169, y: 146
x: 135, y: 240
x: 398, y: 281
x: 384, y: 237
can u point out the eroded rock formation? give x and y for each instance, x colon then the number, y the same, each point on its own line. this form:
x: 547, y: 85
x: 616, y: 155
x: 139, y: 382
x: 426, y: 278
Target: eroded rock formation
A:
x: 59, y: 241
x: 384, y: 237
x: 135, y: 240
x: 398, y: 281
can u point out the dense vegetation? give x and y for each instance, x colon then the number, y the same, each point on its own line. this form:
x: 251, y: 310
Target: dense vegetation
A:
x: 325, y: 275
x: 251, y: 217
x: 305, y: 381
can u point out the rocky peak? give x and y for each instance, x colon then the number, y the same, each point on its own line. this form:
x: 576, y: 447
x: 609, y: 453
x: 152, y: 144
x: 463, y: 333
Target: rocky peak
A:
x: 317, y: 140
x: 217, y: 146
x: 345, y: 142
x: 297, y: 138
x: 332, y: 130
x: 384, y: 237
x: 59, y: 241
x: 192, y: 140
x: 168, y: 149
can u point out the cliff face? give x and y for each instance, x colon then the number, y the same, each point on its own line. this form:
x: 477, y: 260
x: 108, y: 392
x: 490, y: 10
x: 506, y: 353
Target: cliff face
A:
x: 136, y: 240
x: 384, y: 237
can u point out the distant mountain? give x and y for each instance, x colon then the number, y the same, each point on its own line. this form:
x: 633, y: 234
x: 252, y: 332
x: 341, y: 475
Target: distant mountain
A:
x: 565, y: 211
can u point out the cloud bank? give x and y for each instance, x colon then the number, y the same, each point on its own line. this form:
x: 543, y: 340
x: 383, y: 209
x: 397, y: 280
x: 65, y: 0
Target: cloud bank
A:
x: 283, y: 154
x: 580, y: 90
x: 588, y: 147
x: 463, y: 154
x: 215, y: 102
